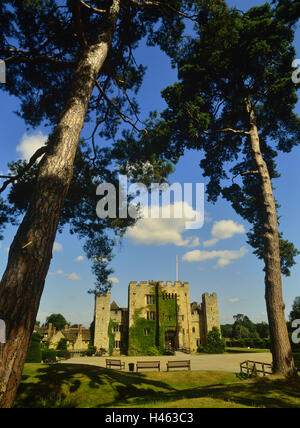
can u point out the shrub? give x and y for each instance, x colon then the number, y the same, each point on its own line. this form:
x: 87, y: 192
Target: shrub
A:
x: 91, y: 351
x: 63, y: 354
x: 153, y: 351
x: 215, y: 343
x: 62, y: 345
x: 249, y: 343
x: 49, y: 355
x: 34, y: 354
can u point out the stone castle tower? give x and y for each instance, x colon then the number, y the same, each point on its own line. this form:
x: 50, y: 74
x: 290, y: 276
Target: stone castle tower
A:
x: 158, y: 316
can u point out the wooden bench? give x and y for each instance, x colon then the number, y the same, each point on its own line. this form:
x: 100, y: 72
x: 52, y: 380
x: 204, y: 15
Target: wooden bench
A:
x: 115, y: 363
x: 179, y: 364
x: 148, y: 365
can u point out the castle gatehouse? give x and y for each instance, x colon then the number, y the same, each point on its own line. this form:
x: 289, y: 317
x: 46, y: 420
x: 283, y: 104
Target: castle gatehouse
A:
x: 159, y: 317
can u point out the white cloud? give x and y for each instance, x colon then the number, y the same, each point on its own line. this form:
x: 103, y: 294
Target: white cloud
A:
x: 234, y: 300
x: 57, y: 247
x: 71, y: 276
x: 79, y: 259
x: 113, y: 280
x: 224, y: 229
x: 30, y: 144
x: 163, y: 231
x: 224, y: 257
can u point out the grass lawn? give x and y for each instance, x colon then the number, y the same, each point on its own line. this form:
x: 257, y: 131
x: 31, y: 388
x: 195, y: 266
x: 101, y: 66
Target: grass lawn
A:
x: 245, y: 350
x: 86, y: 386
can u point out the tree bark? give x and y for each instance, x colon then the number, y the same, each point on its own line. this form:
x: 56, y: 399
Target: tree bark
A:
x: 283, y: 361
x: 30, y: 254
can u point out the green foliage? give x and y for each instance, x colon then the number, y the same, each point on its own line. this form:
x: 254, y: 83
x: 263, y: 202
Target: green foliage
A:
x: 111, y: 336
x: 91, y: 350
x: 263, y: 330
x: 34, y: 354
x: 235, y: 57
x: 63, y: 354
x: 244, y: 330
x: 226, y: 330
x: 41, y: 46
x: 243, y: 327
x: 295, y: 312
x: 215, y: 343
x: 148, y: 336
x: 288, y: 10
x: 139, y: 342
x: 57, y: 320
x: 255, y: 343
x: 49, y: 355
x: 62, y: 345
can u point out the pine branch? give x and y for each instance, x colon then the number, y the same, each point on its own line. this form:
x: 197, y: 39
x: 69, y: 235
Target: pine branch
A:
x: 40, y: 152
x: 153, y: 3
x: 93, y: 9
x: 125, y: 118
x: 234, y: 131
x: 34, y: 59
x: 79, y: 25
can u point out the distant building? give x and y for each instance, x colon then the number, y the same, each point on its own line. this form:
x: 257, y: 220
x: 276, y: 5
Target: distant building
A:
x: 159, y: 316
x: 78, y: 339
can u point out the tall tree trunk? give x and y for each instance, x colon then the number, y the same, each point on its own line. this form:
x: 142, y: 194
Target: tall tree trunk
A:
x: 31, y: 251
x: 281, y: 347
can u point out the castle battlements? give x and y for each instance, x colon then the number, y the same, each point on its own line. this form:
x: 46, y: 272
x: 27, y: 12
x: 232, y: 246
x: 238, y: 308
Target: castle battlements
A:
x: 159, y: 283
x: 159, y: 314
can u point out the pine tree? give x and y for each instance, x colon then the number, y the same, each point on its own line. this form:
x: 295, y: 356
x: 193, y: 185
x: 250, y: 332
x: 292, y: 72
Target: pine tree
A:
x: 67, y: 62
x: 235, y: 102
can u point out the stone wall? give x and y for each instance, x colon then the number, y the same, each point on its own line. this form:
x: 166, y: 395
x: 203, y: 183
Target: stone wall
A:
x: 210, y: 313
x: 150, y: 301
x: 102, y: 319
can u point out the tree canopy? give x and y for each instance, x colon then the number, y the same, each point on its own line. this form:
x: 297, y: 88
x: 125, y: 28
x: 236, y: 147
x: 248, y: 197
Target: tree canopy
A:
x: 295, y: 312
x: 57, y: 320
x: 236, y: 56
x: 41, y: 42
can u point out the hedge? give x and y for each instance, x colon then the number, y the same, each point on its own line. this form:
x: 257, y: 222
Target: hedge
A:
x: 249, y: 343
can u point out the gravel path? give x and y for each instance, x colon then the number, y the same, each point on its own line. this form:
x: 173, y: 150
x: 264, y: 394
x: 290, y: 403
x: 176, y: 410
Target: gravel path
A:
x: 226, y: 362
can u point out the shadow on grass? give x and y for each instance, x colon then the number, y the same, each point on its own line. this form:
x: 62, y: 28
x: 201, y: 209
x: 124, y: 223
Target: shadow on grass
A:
x: 52, y: 384
x: 265, y: 392
x: 57, y: 386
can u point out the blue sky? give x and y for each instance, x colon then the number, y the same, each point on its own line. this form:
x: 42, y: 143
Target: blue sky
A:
x: 236, y: 274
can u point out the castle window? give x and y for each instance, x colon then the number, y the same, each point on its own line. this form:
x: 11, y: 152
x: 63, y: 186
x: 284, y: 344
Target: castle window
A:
x: 194, y: 329
x: 182, y: 317
x: 150, y: 316
x: 183, y: 332
x: 150, y: 300
x: 147, y: 331
x: 117, y: 344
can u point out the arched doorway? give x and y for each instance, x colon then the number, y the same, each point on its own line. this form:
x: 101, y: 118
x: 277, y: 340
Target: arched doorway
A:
x: 170, y: 339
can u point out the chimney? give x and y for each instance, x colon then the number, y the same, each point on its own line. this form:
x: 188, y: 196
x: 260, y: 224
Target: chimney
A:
x: 80, y: 330
x: 49, y: 329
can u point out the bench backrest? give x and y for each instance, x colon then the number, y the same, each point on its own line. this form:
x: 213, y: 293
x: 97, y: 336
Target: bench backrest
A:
x: 113, y: 362
x: 178, y: 363
x: 148, y: 363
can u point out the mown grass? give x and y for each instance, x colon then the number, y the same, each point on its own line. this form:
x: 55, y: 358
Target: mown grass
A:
x: 83, y: 386
x: 245, y: 351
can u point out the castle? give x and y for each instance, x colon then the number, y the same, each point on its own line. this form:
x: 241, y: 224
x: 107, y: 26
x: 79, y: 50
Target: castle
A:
x: 158, y: 317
